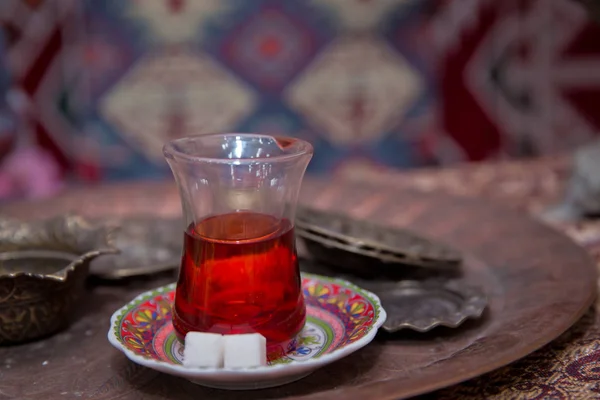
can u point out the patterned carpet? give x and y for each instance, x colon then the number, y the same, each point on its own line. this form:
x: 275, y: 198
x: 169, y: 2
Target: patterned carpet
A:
x: 383, y: 84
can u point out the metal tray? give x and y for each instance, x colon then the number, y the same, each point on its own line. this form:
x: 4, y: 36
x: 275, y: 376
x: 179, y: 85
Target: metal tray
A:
x: 538, y: 284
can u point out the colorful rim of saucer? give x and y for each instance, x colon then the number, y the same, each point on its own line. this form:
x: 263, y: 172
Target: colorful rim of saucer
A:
x: 341, y: 318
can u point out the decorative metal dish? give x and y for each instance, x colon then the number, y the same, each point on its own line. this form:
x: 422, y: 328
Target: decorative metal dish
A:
x: 365, y: 247
x: 43, y: 266
x: 147, y: 244
x: 422, y: 306
x: 418, y: 305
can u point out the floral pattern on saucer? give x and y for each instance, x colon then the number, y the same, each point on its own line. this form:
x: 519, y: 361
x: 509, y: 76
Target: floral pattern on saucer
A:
x: 341, y: 318
x: 337, y: 315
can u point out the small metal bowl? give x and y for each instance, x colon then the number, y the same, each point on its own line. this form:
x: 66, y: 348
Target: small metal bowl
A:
x: 43, y: 266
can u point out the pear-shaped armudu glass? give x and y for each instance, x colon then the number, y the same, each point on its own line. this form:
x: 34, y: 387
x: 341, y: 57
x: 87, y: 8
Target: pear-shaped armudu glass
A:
x: 239, y: 269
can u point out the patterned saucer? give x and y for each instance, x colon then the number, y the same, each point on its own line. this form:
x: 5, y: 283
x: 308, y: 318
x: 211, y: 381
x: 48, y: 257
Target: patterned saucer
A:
x: 341, y: 318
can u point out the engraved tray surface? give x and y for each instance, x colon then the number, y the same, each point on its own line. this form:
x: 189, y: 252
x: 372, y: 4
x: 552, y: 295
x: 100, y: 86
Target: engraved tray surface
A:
x: 537, y: 281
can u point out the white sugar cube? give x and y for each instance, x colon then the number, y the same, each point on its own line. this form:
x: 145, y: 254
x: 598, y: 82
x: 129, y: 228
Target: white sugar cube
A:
x: 245, y: 350
x: 203, y: 350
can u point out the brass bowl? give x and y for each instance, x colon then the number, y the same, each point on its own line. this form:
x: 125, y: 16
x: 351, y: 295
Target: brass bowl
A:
x: 43, y: 266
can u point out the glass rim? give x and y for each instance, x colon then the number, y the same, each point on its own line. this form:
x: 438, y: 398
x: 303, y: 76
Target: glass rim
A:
x: 170, y: 152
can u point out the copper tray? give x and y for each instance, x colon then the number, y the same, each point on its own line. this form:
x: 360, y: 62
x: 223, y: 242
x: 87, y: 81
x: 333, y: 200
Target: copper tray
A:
x: 538, y: 283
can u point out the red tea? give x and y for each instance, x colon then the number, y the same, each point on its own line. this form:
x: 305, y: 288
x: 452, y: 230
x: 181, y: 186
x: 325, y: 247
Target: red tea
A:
x: 239, y: 274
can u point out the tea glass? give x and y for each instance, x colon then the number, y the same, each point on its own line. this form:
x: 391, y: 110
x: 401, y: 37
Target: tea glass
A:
x: 239, y: 268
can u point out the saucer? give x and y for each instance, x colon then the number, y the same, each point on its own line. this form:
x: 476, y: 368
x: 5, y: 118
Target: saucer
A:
x: 341, y: 318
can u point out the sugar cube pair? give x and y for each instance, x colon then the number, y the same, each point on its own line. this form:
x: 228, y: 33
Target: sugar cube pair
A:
x: 230, y: 351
